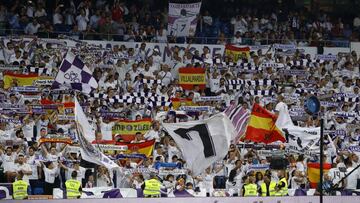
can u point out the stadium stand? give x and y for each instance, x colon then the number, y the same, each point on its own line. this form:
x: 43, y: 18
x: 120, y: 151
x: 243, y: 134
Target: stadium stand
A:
x: 104, y: 94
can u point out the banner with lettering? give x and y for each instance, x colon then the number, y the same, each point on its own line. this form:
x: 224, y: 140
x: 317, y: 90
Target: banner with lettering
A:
x: 44, y: 81
x: 182, y: 19
x: 188, y: 77
x: 127, y: 128
x: 237, y: 52
x: 15, y: 80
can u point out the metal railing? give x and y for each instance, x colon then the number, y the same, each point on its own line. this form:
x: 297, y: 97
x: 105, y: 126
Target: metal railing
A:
x: 339, y: 42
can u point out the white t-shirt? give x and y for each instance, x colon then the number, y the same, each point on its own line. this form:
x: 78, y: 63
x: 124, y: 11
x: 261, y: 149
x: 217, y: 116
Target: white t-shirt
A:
x: 80, y: 173
x: 300, y: 166
x: 152, y: 134
x: 28, y: 130
x: 181, y: 26
x: 281, y: 107
x: 82, y: 22
x: 106, y: 130
x: 165, y: 77
x: 173, y: 151
x: 50, y: 174
x: 34, y: 167
x: 24, y: 167
x: 214, y: 84
x: 8, y: 162
x: 102, y: 181
x: 336, y: 175
x: 57, y: 18
x: 7, y: 134
x: 352, y: 178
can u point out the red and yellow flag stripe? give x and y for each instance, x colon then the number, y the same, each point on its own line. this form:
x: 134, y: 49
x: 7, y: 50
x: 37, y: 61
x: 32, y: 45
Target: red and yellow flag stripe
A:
x: 314, y: 172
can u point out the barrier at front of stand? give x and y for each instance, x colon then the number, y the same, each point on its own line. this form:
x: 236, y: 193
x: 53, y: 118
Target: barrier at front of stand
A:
x: 299, y: 199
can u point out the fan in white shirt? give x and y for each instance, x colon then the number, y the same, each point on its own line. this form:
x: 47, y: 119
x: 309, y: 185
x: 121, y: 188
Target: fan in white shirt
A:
x: 82, y: 21
x: 34, y: 164
x: 106, y: 128
x: 103, y: 177
x: 165, y: 76
x: 50, y: 173
x: 24, y: 167
x: 53, y: 156
x: 76, y: 167
x: 28, y: 129
x: 351, y: 180
x: 154, y: 133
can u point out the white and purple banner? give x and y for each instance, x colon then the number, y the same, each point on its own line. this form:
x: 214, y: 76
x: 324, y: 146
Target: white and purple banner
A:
x: 182, y: 19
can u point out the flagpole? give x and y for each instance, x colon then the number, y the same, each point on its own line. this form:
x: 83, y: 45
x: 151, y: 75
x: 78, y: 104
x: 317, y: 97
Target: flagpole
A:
x: 321, y: 158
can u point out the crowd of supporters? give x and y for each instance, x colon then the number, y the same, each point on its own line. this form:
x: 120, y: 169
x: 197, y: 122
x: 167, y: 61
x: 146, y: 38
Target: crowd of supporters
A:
x: 48, y: 165
x: 147, y: 21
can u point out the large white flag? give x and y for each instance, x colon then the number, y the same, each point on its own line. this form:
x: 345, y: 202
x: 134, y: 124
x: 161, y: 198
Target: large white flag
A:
x: 202, y: 142
x: 88, y: 151
x: 300, y: 139
x: 182, y: 19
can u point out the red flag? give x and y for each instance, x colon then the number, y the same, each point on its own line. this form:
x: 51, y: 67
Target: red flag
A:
x: 262, y: 128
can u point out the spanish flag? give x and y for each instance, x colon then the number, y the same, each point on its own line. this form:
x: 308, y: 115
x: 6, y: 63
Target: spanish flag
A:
x: 188, y: 77
x: 145, y: 148
x: 14, y: 79
x: 314, y: 172
x: 236, y: 52
x: 177, y: 102
x: 262, y: 128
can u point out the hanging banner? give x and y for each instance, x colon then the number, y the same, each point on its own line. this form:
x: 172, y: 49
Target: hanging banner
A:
x: 44, y: 81
x: 28, y: 89
x: 284, y: 46
x: 236, y: 52
x: 32, y: 97
x: 188, y: 77
x: 327, y: 57
x: 197, y: 108
x: 14, y: 79
x: 127, y: 128
x: 294, y: 72
x: 209, y: 98
x: 344, y: 114
x: 182, y: 19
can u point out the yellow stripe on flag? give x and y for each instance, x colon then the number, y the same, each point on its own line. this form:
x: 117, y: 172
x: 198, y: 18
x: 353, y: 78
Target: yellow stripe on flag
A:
x: 314, y: 172
x: 261, y: 123
x: 145, y: 148
x: 11, y: 79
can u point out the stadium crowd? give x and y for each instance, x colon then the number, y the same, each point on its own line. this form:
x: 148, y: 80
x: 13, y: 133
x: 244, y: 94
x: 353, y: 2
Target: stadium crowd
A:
x: 46, y: 165
x: 147, y: 21
x: 49, y: 165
